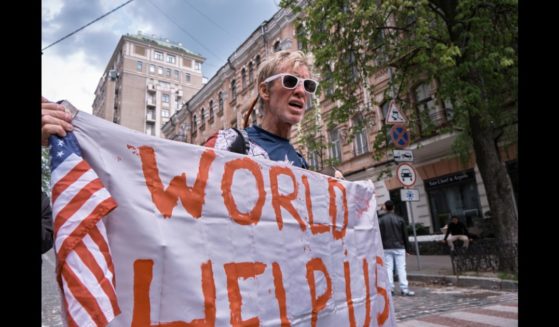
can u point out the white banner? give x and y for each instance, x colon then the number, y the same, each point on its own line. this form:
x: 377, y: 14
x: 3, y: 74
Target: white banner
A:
x: 213, y: 238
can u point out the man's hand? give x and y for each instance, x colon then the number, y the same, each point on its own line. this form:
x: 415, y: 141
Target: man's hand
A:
x: 54, y: 120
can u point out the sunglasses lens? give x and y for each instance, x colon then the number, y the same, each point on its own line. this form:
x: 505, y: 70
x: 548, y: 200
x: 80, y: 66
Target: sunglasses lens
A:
x: 290, y: 81
x: 310, y: 86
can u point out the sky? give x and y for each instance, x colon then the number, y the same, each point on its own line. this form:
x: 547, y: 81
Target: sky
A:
x: 72, y: 68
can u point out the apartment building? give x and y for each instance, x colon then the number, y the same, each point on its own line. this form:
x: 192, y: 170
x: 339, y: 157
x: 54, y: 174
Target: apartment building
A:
x: 146, y: 81
x: 446, y: 186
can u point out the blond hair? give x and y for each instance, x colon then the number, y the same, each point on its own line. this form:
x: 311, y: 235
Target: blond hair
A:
x: 290, y: 59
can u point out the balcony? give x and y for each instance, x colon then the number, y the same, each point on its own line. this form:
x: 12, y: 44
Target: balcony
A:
x: 150, y: 103
x: 179, y: 93
x: 151, y: 88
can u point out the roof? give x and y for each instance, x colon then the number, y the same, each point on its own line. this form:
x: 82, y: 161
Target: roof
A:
x: 162, y: 42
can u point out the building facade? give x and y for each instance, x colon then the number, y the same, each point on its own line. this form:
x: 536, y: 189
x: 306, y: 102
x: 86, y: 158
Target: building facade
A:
x: 446, y: 185
x: 146, y: 81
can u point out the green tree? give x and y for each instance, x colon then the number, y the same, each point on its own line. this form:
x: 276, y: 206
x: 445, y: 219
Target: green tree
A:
x: 468, y: 48
x: 45, y: 170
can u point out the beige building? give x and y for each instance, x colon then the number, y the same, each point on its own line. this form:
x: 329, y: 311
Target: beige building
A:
x: 445, y: 185
x: 146, y: 81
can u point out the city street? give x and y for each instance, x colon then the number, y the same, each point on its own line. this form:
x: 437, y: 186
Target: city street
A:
x: 432, y: 306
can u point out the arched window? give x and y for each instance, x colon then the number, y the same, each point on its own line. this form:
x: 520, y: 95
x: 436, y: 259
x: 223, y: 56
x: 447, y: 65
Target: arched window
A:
x: 220, y: 102
x: 250, y: 72
x: 257, y: 61
x: 211, y: 113
x: 233, y: 90
x: 244, y: 78
x: 277, y: 46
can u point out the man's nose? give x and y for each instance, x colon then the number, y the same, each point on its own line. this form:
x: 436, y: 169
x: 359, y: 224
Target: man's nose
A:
x: 300, y: 88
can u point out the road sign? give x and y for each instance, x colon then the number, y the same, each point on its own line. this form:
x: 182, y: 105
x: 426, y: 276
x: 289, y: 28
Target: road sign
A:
x: 409, y: 195
x: 394, y: 115
x: 400, y: 136
x: 402, y: 155
x: 406, y: 174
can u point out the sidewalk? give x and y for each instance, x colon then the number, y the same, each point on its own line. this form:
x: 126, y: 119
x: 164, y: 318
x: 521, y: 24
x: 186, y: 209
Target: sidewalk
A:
x: 437, y: 269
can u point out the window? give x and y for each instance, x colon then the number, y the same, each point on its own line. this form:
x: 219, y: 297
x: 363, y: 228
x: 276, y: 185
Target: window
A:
x: 310, y: 102
x: 150, y: 114
x: 301, y: 38
x: 220, y: 100
x: 257, y: 61
x: 164, y: 85
x: 197, y: 65
x: 177, y: 75
x: 164, y: 113
x: 233, y: 90
x: 385, y: 106
x: 171, y: 59
x: 425, y: 105
x: 314, y: 160
x: 202, y: 118
x: 187, y: 77
x: 335, y: 145
x: 158, y: 55
x: 194, y: 122
x: 360, y: 139
x: 244, y: 78
x: 168, y: 72
x: 211, y: 110
x: 250, y: 72
x: 187, y: 62
x: 139, y: 66
x: 277, y: 46
x: 150, y: 130
x: 165, y: 98
x: 160, y: 70
x: 139, y: 50
x: 152, y: 68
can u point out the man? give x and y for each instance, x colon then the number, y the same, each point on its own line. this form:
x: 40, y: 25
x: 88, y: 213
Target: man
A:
x: 458, y: 231
x: 396, y: 244
x: 284, y: 87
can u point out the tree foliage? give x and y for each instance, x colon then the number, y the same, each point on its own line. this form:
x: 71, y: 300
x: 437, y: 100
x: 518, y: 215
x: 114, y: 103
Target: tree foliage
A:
x: 466, y: 48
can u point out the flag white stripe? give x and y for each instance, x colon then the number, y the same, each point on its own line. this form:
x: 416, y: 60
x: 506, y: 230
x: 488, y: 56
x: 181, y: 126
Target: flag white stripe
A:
x: 64, y: 167
x: 96, y: 252
x: 68, y: 194
x: 68, y: 227
x: 87, y: 278
x: 75, y: 309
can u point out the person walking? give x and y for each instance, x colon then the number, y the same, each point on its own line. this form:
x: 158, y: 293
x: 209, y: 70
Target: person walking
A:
x: 396, y: 245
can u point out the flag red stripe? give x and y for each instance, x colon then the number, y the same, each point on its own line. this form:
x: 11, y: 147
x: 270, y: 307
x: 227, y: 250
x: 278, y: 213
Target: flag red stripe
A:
x: 70, y: 178
x: 69, y: 318
x: 83, y: 296
x: 85, y: 226
x: 91, y: 263
x: 76, y: 203
x: 103, y: 246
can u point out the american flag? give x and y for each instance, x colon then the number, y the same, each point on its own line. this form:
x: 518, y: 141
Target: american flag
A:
x: 85, y: 271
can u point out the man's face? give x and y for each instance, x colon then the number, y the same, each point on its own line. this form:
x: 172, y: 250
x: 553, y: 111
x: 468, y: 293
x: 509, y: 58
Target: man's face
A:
x: 288, y: 106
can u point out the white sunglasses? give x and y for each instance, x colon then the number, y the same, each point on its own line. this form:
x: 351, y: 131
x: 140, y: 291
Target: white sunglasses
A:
x: 290, y: 82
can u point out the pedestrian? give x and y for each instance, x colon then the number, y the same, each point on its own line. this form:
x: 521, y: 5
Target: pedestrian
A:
x: 47, y: 237
x: 396, y: 245
x: 284, y: 86
x: 458, y: 231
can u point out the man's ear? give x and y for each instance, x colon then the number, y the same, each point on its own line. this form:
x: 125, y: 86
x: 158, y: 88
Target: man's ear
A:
x: 264, y: 91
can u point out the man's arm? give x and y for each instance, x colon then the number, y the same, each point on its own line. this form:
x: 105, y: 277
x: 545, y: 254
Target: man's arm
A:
x: 46, y: 224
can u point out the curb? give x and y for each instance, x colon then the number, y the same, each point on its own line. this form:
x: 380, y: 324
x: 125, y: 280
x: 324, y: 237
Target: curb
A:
x: 466, y: 281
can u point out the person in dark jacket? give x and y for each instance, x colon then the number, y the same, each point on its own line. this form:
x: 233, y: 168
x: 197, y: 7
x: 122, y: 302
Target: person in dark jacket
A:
x: 47, y: 238
x: 396, y: 244
x: 458, y: 231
